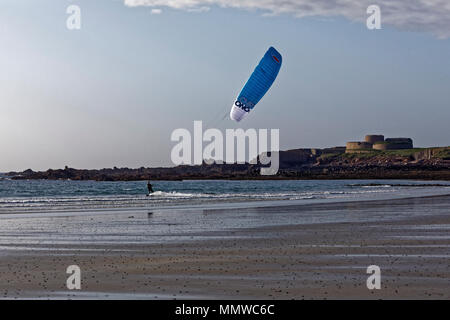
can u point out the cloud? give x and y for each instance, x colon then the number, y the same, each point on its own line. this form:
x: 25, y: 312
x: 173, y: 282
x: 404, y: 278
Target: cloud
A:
x: 199, y: 9
x: 156, y: 11
x: 417, y: 15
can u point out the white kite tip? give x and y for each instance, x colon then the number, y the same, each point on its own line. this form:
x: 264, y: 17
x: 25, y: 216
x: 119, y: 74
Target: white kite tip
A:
x: 237, y: 114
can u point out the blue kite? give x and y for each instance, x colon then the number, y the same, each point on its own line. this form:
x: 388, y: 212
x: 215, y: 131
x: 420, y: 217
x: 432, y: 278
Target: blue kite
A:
x: 257, y: 86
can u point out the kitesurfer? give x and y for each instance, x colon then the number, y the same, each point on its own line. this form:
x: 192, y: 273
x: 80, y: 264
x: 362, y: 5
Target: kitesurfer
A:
x: 149, y: 187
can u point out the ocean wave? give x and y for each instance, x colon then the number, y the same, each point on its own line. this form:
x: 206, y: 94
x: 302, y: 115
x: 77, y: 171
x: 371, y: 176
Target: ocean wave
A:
x: 174, y: 194
x: 379, y: 186
x: 371, y: 185
x: 169, y: 197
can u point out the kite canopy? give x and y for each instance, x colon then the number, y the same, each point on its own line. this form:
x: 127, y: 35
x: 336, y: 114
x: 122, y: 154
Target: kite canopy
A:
x: 257, y: 86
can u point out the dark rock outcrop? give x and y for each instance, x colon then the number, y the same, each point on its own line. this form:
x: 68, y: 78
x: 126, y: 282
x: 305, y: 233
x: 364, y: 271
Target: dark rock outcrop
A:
x: 331, y: 163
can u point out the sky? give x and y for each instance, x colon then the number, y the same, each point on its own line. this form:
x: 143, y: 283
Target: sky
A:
x: 111, y: 93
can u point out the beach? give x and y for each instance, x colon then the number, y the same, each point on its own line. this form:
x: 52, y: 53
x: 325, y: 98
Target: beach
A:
x: 279, y: 250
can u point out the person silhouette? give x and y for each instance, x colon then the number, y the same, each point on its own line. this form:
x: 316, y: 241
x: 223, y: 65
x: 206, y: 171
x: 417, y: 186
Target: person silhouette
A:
x: 149, y: 187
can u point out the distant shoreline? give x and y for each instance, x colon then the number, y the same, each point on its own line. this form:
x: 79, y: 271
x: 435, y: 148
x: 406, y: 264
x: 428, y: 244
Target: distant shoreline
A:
x: 426, y: 172
x: 296, y: 164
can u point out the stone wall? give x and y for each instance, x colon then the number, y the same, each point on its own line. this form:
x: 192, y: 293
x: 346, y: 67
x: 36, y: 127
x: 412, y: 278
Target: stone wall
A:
x: 372, y: 138
x: 390, y: 146
x: 400, y: 140
x: 358, y: 145
x: 377, y: 142
x: 337, y: 150
x: 394, y: 144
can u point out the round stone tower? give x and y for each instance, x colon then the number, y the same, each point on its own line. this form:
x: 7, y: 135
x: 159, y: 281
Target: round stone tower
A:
x: 358, y: 145
x: 372, y: 138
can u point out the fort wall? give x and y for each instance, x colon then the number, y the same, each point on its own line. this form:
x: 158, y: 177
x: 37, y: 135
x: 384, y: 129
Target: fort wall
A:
x: 357, y: 146
x: 372, y: 138
x: 377, y: 142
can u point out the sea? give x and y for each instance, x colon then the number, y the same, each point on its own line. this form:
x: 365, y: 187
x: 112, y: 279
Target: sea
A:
x: 18, y: 196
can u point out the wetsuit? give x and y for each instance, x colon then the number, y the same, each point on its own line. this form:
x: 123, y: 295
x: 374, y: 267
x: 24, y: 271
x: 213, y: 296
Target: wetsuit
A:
x: 150, y: 188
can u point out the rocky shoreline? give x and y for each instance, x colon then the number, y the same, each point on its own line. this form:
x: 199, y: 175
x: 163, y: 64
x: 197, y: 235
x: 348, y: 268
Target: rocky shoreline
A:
x: 420, y: 164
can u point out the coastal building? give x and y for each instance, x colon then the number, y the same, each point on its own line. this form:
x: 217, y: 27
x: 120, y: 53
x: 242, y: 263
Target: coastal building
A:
x: 394, y: 144
x: 373, y: 138
x: 358, y: 146
x: 377, y: 142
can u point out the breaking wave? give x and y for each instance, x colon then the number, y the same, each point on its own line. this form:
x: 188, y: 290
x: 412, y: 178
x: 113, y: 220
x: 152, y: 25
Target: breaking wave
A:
x: 59, y: 195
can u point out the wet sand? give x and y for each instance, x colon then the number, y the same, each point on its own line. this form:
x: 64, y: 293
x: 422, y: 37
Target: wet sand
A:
x: 313, y: 251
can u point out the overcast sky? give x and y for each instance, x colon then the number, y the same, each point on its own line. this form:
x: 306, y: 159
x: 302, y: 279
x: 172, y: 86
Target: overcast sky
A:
x: 111, y: 93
